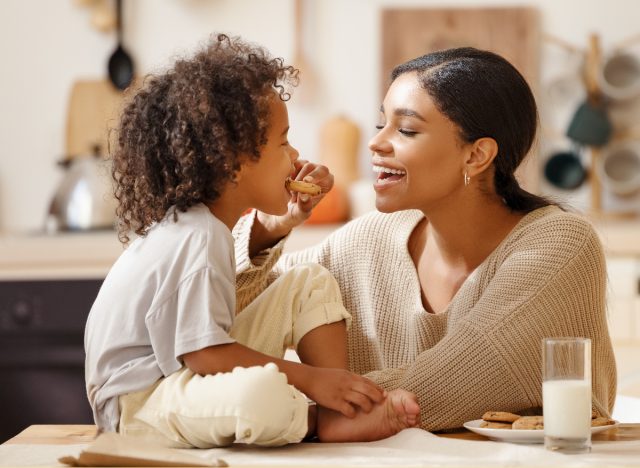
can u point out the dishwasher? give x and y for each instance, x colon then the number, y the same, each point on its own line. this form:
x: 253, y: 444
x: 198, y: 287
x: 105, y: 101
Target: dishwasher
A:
x: 42, y: 352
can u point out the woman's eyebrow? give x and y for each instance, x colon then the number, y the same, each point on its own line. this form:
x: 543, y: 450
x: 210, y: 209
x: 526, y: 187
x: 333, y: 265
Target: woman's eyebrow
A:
x: 405, y: 112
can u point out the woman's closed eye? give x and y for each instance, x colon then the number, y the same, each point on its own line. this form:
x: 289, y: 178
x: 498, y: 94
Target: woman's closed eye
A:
x: 404, y: 131
x: 407, y: 132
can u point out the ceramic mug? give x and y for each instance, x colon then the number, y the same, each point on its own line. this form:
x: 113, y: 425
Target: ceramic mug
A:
x: 590, y: 125
x: 619, y: 168
x: 619, y: 76
x: 564, y: 170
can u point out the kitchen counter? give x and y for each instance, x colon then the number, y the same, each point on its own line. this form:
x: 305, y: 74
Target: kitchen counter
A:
x: 58, y: 256
x: 91, y: 254
x: 619, y: 237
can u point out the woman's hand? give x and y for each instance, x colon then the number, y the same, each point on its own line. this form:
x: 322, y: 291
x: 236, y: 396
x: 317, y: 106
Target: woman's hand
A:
x: 341, y: 390
x: 300, y: 205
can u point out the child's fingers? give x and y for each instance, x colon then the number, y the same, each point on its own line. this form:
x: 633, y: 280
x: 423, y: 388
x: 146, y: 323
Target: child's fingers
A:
x: 347, y: 410
x: 301, y: 169
x: 314, y: 173
x: 359, y: 400
x: 367, y: 388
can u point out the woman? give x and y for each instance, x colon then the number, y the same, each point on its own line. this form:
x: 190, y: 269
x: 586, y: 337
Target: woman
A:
x: 454, y: 284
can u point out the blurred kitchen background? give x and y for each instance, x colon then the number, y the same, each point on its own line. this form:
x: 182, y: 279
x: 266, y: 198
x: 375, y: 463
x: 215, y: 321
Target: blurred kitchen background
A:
x: 582, y: 58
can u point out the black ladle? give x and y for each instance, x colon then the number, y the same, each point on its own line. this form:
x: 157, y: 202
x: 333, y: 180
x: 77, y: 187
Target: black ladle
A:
x: 120, y: 63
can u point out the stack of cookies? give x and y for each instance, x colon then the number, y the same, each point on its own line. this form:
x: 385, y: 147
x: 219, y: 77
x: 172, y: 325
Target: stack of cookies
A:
x: 506, y: 420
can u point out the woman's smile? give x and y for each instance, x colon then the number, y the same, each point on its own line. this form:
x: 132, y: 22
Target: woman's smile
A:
x: 387, y: 176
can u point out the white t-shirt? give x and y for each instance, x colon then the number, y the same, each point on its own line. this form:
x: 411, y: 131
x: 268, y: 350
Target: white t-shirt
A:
x: 168, y: 294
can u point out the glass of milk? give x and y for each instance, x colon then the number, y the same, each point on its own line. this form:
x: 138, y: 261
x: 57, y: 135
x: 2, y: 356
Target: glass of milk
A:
x: 566, y: 394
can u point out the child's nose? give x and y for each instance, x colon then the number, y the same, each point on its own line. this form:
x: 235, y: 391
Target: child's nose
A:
x: 294, y: 154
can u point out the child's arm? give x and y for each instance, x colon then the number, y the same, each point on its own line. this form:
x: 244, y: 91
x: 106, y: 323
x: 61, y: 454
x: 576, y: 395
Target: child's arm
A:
x: 336, y: 389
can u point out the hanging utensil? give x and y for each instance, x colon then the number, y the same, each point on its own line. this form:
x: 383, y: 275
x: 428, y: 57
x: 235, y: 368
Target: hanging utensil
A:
x: 591, y: 124
x: 120, y: 63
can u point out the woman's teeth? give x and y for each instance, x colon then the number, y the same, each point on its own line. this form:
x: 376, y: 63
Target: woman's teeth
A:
x: 388, y: 170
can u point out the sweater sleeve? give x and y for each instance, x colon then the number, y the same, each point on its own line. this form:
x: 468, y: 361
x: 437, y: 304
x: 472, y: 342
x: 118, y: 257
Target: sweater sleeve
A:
x: 254, y: 274
x: 550, y: 282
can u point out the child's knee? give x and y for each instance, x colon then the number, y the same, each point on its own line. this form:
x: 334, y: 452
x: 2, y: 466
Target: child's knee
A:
x: 267, y: 405
x: 261, y: 389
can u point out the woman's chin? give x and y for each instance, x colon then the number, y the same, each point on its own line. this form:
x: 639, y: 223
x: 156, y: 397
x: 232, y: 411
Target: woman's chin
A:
x: 384, y: 206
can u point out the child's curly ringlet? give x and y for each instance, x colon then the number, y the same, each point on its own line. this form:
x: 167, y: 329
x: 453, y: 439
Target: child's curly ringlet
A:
x: 186, y: 132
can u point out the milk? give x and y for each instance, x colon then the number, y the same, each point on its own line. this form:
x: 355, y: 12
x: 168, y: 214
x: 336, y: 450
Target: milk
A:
x: 567, y: 408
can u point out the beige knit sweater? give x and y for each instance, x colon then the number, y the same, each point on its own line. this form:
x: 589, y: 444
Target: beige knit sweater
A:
x: 546, y: 278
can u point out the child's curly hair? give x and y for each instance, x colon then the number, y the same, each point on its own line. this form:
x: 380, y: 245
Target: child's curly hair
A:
x: 184, y: 134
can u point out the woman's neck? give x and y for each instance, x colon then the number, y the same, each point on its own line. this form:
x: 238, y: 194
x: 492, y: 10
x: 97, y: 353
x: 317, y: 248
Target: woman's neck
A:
x: 463, y: 238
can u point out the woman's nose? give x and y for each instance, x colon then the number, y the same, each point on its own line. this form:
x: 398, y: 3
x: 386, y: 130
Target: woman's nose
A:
x: 378, y: 143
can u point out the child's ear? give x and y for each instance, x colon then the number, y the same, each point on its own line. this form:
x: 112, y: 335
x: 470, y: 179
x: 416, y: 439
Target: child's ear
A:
x: 245, y: 161
x: 483, y: 152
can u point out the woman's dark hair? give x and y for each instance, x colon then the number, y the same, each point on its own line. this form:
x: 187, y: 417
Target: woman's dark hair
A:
x: 485, y: 96
x: 185, y: 133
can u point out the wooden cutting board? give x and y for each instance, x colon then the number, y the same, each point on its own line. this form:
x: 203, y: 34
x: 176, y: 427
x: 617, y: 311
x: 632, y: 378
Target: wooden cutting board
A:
x: 94, y: 107
x: 513, y: 33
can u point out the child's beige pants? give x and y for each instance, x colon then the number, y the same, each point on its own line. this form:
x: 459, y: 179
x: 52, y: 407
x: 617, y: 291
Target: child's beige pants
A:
x: 252, y: 405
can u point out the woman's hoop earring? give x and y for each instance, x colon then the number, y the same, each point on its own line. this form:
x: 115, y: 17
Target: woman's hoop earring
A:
x: 467, y: 179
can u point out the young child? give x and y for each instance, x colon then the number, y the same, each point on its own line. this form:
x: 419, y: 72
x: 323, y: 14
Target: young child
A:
x: 168, y: 356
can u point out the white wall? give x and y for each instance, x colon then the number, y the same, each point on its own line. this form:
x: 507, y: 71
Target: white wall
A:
x: 47, y: 44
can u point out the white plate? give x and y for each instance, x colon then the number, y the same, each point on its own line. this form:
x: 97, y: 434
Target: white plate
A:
x: 518, y: 436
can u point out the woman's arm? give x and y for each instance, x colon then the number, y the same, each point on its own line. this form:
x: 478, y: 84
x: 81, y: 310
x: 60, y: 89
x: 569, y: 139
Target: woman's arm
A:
x: 490, y: 359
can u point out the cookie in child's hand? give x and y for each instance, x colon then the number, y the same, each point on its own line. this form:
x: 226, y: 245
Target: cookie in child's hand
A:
x: 302, y: 187
x: 500, y: 416
x: 529, y: 422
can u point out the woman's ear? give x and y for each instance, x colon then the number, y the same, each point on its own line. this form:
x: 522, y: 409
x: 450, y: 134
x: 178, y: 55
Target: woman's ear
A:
x: 482, y: 154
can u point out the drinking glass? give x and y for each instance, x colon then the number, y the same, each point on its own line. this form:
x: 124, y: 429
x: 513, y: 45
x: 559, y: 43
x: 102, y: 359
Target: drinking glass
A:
x: 566, y: 394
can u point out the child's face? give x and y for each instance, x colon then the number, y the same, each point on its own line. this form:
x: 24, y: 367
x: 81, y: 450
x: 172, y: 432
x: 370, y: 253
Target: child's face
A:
x: 265, y: 179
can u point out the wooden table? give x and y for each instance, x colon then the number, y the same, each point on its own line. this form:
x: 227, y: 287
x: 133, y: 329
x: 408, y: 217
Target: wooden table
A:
x: 84, y: 434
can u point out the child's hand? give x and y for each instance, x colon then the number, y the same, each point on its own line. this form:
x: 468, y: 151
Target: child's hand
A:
x: 343, y: 391
x: 301, y: 205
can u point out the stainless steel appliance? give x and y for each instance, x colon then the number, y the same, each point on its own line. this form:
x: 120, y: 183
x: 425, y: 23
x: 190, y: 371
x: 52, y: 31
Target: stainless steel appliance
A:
x: 83, y: 199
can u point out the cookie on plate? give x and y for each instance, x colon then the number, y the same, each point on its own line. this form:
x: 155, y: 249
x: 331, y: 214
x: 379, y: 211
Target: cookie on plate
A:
x: 602, y: 421
x: 529, y: 422
x: 495, y: 425
x: 500, y: 416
